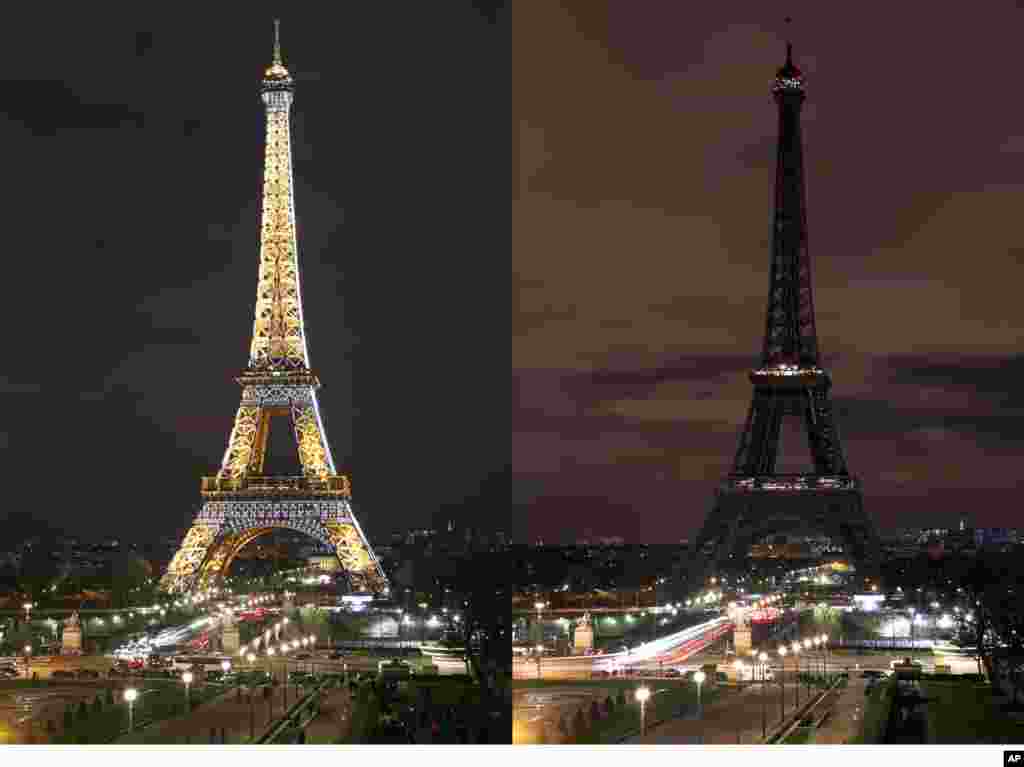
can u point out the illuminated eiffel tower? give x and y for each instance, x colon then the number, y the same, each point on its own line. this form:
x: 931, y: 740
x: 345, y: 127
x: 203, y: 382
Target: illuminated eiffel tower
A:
x: 756, y: 500
x: 241, y: 503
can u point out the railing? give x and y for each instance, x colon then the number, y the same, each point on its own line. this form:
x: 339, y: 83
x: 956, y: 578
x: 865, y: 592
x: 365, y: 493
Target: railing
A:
x: 305, y: 707
x: 783, y: 731
x: 789, y: 482
x: 332, y: 484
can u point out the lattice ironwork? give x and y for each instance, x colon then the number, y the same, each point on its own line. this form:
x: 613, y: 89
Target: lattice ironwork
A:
x: 242, y: 503
x: 755, y: 499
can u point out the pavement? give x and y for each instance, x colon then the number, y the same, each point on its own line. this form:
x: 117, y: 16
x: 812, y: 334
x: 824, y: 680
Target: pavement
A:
x: 227, y: 713
x: 734, y: 717
x: 335, y: 718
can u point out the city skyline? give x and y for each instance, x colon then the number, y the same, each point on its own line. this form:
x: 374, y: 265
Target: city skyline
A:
x: 642, y: 215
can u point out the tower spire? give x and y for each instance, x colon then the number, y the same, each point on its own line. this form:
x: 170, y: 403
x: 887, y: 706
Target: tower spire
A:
x: 790, y: 336
x: 276, y: 77
x: 278, y: 336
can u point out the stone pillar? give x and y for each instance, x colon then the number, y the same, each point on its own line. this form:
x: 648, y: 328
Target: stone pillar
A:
x: 71, y: 642
x: 583, y: 636
x: 229, y: 639
x: 742, y: 643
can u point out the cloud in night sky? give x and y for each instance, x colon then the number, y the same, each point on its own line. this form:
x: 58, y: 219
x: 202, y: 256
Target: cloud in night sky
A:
x: 641, y: 217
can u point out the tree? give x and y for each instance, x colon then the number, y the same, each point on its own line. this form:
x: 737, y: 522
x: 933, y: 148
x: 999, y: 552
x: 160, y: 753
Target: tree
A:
x: 127, y: 573
x: 579, y: 726
x: 38, y: 570
x: 980, y: 587
x: 347, y: 627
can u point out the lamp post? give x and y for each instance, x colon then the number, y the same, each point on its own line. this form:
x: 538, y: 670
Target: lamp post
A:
x: 642, y: 694
x: 763, y: 657
x: 782, y: 683
x: 540, y: 626
x: 538, y: 650
x: 824, y: 653
x: 795, y: 649
x: 817, y: 643
x: 27, y: 649
x: 187, y: 679
x: 130, y: 695
x: 699, y: 678
x: 807, y: 646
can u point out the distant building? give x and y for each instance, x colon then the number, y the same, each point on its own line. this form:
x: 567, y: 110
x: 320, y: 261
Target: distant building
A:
x: 989, y: 537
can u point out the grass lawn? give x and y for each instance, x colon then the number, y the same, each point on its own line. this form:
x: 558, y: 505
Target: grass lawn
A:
x: 157, y: 700
x: 801, y: 736
x: 961, y: 712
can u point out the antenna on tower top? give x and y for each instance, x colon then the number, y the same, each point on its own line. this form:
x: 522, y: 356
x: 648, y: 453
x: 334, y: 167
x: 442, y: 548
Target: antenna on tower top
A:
x: 789, y: 44
x: 277, y: 41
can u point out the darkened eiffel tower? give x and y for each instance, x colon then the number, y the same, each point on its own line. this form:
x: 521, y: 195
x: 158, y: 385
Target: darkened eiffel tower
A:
x: 755, y: 500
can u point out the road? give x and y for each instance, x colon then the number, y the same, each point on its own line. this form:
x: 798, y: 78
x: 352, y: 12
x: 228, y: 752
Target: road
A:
x: 669, y: 650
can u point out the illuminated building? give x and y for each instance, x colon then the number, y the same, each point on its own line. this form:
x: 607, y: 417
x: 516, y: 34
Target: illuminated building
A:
x: 241, y: 503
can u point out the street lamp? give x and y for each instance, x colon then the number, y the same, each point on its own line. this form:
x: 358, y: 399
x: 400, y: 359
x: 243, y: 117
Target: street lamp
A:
x: 642, y: 694
x: 130, y: 695
x: 28, y: 659
x: 763, y: 657
x: 817, y: 642
x: 187, y: 679
x: 782, y: 682
x: 539, y: 649
x: 824, y: 653
x: 699, y: 678
x: 738, y: 665
x: 795, y: 649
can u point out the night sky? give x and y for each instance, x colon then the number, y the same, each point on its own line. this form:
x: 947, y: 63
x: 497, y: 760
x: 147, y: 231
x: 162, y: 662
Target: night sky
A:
x: 132, y: 174
x: 644, y: 138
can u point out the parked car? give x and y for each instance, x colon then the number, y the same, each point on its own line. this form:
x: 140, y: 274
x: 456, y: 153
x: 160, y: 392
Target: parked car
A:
x: 599, y: 675
x: 673, y: 672
x: 303, y: 656
x: 8, y: 672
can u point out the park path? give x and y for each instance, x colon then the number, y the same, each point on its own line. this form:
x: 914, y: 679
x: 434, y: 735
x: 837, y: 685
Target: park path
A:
x: 846, y: 720
x: 334, y: 719
x: 234, y: 715
x: 734, y: 717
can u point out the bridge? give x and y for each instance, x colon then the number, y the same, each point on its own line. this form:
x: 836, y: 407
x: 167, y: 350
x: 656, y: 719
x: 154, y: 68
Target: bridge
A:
x: 671, y: 649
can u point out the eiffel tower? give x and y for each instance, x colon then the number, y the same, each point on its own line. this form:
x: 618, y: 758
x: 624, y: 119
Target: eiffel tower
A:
x: 755, y: 501
x: 241, y: 503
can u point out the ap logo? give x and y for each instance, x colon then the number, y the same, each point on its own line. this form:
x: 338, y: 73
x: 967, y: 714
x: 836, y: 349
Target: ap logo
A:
x: 1014, y: 757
